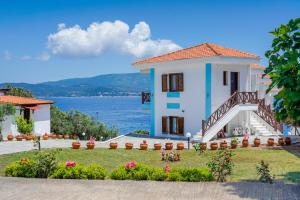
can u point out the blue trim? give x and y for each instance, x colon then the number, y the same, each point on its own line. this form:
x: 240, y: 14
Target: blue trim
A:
x: 173, y: 94
x: 173, y: 105
x: 207, y: 90
x: 152, y: 101
x: 146, y: 106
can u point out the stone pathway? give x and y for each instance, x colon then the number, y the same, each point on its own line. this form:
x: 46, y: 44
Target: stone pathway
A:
x: 36, y: 189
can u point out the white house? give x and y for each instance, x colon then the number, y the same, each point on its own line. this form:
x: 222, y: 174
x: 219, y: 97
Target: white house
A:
x: 209, y: 91
x: 30, y: 108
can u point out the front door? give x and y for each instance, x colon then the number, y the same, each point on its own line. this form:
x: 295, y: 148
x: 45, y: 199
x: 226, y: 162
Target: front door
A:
x: 234, y: 82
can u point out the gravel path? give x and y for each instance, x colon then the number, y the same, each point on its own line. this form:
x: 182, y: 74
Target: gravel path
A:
x: 36, y: 189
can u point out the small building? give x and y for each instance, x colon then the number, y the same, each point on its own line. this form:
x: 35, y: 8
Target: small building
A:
x: 30, y: 108
x: 208, y: 90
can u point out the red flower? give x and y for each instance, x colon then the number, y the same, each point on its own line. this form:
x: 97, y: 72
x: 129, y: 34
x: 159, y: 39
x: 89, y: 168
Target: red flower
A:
x: 130, y: 165
x: 167, y: 169
x: 70, y: 164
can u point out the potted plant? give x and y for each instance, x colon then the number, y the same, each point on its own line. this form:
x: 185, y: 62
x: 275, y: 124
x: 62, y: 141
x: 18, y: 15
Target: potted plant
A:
x: 113, y: 145
x: 256, y: 142
x: 59, y: 136
x: 223, y: 145
x: 28, y: 137
x: 76, y: 145
x: 180, y: 146
x: 10, y: 137
x: 233, y: 143
x: 91, y: 143
x: 128, y: 145
x: 270, y: 142
x: 19, y: 137
x: 25, y: 127
x: 157, y: 146
x: 203, y: 146
x: 213, y: 146
x: 288, y: 141
x: 280, y: 141
x: 144, y: 145
x: 66, y: 136
x: 245, y: 142
x: 169, y: 146
x: 53, y: 136
x: 45, y: 136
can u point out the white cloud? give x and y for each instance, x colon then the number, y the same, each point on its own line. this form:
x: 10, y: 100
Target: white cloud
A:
x: 7, y: 55
x: 44, y: 56
x: 25, y: 57
x: 107, y: 36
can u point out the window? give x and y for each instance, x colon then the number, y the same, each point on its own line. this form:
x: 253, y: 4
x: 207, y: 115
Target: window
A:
x: 172, y: 82
x: 173, y: 125
x: 225, y: 81
x: 27, y: 114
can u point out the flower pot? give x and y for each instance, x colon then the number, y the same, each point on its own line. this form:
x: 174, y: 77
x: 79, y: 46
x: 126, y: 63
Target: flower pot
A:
x: 10, y: 137
x: 45, y: 137
x: 157, y: 146
x: 256, y: 142
x: 75, y: 145
x: 128, y: 146
x: 90, y: 145
x: 59, y: 136
x: 203, y: 146
x: 113, y: 145
x: 180, y: 146
x: 288, y: 141
x: 143, y: 146
x: 144, y: 142
x: 245, y: 143
x: 169, y: 146
x: 233, y: 146
x: 28, y: 137
x: 280, y: 141
x: 19, y: 137
x: 53, y: 136
x: 270, y: 142
x: 66, y: 136
x: 213, y: 146
x: 223, y: 145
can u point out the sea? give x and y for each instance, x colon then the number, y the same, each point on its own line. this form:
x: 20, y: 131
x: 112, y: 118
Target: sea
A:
x: 125, y: 113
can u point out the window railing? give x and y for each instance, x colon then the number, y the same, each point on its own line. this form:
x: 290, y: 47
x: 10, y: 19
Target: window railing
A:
x: 146, y: 97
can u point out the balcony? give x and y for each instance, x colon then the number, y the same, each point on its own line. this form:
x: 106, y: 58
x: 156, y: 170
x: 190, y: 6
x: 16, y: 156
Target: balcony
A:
x: 146, y: 98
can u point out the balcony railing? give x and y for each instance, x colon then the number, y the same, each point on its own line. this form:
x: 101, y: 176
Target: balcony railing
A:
x: 146, y: 97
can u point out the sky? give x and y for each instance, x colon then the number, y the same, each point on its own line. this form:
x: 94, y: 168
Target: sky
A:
x: 57, y: 39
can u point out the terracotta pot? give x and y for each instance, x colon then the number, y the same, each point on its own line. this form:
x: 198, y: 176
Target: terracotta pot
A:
x: 53, y: 136
x: 144, y: 142
x: 10, y: 137
x: 75, y: 145
x: 280, y: 141
x: 270, y: 142
x: 169, y: 146
x: 60, y: 136
x: 143, y: 146
x: 66, y: 136
x: 28, y: 137
x: 203, y: 146
x: 129, y: 146
x: 223, y: 145
x: 45, y: 137
x: 90, y: 145
x: 113, y: 145
x: 213, y: 146
x: 180, y: 146
x: 288, y: 141
x: 233, y: 146
x: 157, y: 146
x: 245, y: 143
x: 19, y: 137
x: 256, y: 142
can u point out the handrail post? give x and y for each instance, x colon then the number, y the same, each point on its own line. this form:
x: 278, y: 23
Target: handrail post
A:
x: 203, y: 125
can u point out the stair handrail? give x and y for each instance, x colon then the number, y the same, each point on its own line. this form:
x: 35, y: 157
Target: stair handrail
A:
x: 235, y: 99
x: 265, y: 112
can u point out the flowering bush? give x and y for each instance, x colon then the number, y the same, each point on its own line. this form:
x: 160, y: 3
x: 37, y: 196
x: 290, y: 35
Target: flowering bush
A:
x: 22, y: 168
x: 70, y: 164
x: 67, y: 172
x: 190, y: 174
x: 130, y: 165
x: 91, y: 140
x: 171, y: 156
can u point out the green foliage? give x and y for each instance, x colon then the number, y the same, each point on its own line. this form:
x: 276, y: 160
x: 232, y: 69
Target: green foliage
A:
x: 234, y: 141
x: 284, y: 71
x: 22, y: 168
x: 64, y: 172
x: 20, y: 92
x: 221, y: 165
x: 190, y: 174
x: 142, y: 132
x: 140, y: 172
x: 158, y: 175
x: 96, y: 172
x: 197, y: 147
x: 120, y: 174
x: 24, y: 126
x: 263, y: 172
x: 60, y: 121
x: 45, y: 163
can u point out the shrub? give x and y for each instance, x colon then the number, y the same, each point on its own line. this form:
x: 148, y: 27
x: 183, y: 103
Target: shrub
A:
x: 119, y: 174
x: 158, y: 175
x: 95, y: 172
x: 132, y: 171
x: 221, y: 164
x: 24, y: 126
x: 171, y: 156
x: 22, y: 168
x: 190, y: 174
x: 264, y: 173
x: 65, y: 172
x: 142, y: 132
x: 46, y: 163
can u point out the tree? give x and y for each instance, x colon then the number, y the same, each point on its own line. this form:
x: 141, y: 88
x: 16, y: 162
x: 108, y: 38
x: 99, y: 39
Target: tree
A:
x: 284, y: 71
x: 20, y: 92
x: 60, y: 121
x: 5, y: 110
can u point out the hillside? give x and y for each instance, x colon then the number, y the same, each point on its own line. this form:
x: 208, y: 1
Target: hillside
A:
x: 106, y: 85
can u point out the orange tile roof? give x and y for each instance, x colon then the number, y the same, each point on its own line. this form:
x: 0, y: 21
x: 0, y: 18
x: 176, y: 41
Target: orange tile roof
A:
x: 200, y: 51
x: 23, y: 100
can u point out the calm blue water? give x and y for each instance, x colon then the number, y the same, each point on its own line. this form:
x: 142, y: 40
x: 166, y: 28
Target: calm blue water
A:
x: 125, y: 113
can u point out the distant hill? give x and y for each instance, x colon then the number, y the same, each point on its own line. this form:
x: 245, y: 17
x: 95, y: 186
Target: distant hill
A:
x: 107, y: 85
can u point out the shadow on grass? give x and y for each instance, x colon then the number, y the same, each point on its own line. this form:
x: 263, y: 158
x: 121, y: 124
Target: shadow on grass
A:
x: 293, y: 177
x: 262, y: 191
x: 293, y: 149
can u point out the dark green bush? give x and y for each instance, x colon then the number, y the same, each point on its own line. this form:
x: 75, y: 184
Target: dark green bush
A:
x: 190, y: 174
x: 95, y: 172
x: 158, y: 175
x: 64, y: 172
x: 119, y: 174
x: 140, y: 172
x: 46, y: 163
x: 22, y: 168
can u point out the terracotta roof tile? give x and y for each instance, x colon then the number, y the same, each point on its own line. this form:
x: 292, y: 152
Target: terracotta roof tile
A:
x: 199, y: 51
x: 23, y: 100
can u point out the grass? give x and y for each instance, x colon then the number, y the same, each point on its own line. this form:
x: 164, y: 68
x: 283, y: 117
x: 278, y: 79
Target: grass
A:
x: 283, y: 164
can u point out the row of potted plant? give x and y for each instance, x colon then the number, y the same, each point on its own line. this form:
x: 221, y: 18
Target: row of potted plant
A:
x: 144, y: 145
x: 47, y: 136
x: 89, y: 145
x: 20, y: 137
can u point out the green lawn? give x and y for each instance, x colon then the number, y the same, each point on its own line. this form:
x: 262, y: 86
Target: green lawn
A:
x: 283, y: 164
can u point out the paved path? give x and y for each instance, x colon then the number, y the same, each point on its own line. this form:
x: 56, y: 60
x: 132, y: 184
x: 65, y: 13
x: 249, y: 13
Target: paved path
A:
x: 36, y: 189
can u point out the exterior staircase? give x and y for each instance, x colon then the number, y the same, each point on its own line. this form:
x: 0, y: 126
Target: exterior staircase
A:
x: 262, y: 117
